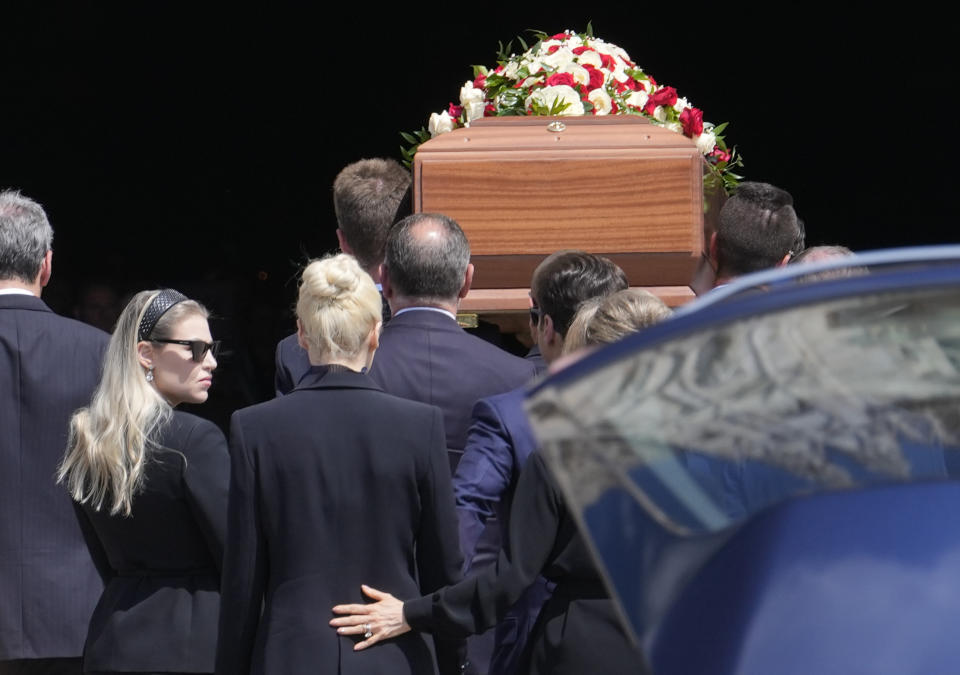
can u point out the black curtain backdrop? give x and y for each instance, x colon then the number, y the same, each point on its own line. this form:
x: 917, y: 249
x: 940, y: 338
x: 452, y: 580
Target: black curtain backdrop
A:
x: 195, y: 147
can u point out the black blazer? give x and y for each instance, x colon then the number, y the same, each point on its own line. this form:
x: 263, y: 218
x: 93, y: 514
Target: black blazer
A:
x: 333, y: 485
x: 578, y: 630
x: 49, y: 366
x: 425, y: 356
x: 161, y: 603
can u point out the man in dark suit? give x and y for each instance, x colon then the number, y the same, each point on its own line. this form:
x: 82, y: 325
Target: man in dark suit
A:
x: 424, y: 354
x: 49, y: 365
x: 368, y: 197
x: 500, y: 438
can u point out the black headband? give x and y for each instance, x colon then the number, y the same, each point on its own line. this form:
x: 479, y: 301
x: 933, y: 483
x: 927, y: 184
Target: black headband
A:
x: 161, y: 302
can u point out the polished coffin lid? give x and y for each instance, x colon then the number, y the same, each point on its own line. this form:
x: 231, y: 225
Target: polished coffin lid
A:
x: 615, y: 185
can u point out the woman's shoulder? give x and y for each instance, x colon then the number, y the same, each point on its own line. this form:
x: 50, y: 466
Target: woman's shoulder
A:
x: 188, y: 430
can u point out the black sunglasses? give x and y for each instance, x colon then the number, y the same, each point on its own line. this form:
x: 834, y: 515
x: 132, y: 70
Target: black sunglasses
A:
x: 198, y: 347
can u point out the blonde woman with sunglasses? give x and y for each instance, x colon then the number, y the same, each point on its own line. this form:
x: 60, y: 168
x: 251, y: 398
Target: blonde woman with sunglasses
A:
x: 151, y: 483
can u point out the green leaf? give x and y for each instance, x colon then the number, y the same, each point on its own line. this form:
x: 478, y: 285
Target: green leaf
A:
x: 409, y: 138
x: 521, y: 41
x: 717, y: 130
x: 589, y: 30
x: 479, y: 70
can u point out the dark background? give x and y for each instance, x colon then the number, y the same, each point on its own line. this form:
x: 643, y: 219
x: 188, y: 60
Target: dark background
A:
x: 195, y: 147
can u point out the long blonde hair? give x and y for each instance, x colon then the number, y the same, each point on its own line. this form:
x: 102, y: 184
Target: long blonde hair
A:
x: 110, y: 440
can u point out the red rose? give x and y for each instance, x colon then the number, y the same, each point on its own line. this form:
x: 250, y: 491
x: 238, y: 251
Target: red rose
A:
x: 455, y: 111
x: 650, y: 107
x: 653, y: 82
x: 666, y: 96
x: 480, y: 81
x: 719, y: 155
x: 621, y: 86
x: 489, y: 110
x: 498, y: 69
x: 692, y: 121
x: 583, y: 48
x: 553, y: 48
x: 559, y: 36
x: 560, y: 78
x: 607, y: 62
x: 596, y: 78
x: 613, y: 107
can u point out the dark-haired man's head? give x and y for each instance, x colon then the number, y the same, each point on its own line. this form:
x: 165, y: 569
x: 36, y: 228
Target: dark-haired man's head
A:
x: 560, y: 284
x: 426, y: 263
x: 25, y: 243
x: 758, y: 230
x: 369, y: 196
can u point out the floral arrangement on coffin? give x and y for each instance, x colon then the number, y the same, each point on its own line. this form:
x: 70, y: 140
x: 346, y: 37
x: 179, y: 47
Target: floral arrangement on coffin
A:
x: 579, y: 74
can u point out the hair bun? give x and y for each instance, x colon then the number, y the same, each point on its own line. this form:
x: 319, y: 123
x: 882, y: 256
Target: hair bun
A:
x: 331, y: 278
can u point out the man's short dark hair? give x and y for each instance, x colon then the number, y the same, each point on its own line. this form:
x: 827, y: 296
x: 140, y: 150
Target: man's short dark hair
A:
x: 758, y: 228
x: 566, y: 278
x: 368, y: 197
x: 25, y: 237
x: 427, y: 269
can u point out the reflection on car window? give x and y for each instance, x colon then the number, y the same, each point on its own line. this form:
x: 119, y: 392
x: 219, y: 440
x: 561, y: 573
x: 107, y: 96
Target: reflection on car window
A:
x: 704, y: 430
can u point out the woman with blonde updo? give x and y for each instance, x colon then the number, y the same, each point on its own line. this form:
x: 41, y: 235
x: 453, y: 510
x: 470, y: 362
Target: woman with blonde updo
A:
x: 335, y: 484
x: 607, y: 319
x: 152, y: 483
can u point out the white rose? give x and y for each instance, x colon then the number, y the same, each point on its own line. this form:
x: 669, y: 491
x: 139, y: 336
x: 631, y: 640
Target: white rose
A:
x: 545, y: 46
x: 547, y: 96
x: 590, y: 59
x: 706, y: 142
x: 619, y: 72
x: 660, y: 114
x: 674, y: 126
x: 472, y: 100
x: 580, y: 74
x: 511, y: 70
x: 470, y: 94
x: 559, y: 59
x: 600, y: 46
x: 440, y: 124
x: 681, y: 104
x: 534, y: 67
x: 637, y: 98
x: 574, y: 41
x: 601, y: 101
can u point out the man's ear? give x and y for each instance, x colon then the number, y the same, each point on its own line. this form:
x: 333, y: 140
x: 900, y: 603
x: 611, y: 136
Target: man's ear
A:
x: 386, y: 287
x: 145, y: 354
x: 785, y: 260
x: 467, y: 282
x: 550, y: 334
x: 344, y: 246
x: 46, y: 269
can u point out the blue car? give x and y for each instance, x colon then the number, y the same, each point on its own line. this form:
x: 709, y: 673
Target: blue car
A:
x: 766, y: 478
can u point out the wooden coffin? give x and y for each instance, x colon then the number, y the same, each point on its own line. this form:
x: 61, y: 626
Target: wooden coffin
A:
x: 617, y: 186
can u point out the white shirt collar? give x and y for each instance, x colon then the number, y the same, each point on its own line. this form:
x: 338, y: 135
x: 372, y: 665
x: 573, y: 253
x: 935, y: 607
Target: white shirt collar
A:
x: 426, y: 309
x: 15, y: 291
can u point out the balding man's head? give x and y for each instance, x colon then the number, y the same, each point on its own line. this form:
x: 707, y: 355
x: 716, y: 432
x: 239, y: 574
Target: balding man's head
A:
x: 427, y: 259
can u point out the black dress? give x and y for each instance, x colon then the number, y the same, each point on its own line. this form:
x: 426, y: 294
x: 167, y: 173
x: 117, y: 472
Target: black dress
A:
x: 577, y: 631
x: 160, y: 607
